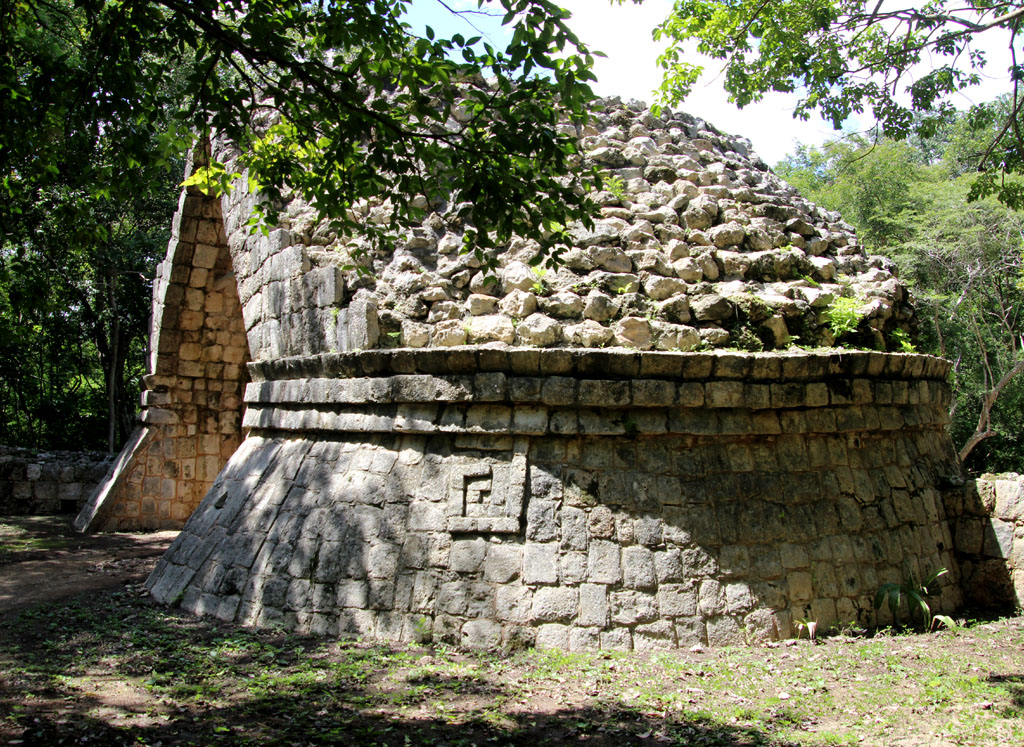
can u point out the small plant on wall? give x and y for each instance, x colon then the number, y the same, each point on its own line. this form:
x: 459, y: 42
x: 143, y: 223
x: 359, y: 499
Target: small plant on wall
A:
x: 843, y: 316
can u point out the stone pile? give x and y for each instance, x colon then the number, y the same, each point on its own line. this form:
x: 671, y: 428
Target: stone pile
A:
x: 698, y: 246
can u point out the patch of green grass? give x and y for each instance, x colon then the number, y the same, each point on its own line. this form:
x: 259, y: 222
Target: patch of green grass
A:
x: 15, y: 539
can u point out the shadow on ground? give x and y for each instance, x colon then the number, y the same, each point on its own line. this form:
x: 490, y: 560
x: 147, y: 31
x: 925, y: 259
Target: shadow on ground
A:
x: 116, y: 669
x: 303, y: 727
x: 44, y: 559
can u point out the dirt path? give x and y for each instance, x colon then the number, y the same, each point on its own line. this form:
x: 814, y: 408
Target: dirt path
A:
x: 43, y: 559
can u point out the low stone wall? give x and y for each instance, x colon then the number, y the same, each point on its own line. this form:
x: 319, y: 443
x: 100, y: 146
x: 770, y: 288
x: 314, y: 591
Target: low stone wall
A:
x: 573, y: 499
x: 54, y: 482
x: 989, y: 533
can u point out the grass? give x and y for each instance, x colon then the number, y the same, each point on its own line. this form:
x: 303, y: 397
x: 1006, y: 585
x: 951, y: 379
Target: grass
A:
x: 115, y: 668
x: 16, y: 539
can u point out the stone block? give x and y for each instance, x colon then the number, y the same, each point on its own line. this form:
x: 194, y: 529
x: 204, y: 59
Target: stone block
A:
x: 668, y: 565
x: 490, y: 387
x: 655, y: 636
x: 711, y: 598
x: 467, y: 556
x: 998, y: 539
x: 553, y: 636
x: 603, y: 564
x: 572, y: 568
x: 648, y: 530
x: 513, y: 603
x: 574, y: 534
x: 503, y: 563
x: 542, y: 523
x: 619, y: 639
x: 525, y: 388
x: 604, y: 393
x: 1009, y: 499
x: 824, y: 611
x: 724, y: 631
x: 584, y: 639
x: 690, y: 394
x: 559, y: 391
x: 723, y: 394
x: 601, y: 522
x: 677, y: 600
x: 489, y: 418
x: 554, y: 603
x: 540, y: 564
x: 638, y: 568
x: 631, y: 607
x: 481, y: 635
x: 529, y: 420
x: 738, y: 598
x: 593, y: 605
x: 653, y: 393
x: 429, y: 517
x: 690, y: 633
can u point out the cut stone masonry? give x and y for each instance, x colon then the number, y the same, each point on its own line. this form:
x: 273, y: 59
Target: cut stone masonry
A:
x: 567, y: 458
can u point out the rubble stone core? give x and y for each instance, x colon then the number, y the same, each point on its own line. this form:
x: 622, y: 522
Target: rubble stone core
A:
x: 577, y: 458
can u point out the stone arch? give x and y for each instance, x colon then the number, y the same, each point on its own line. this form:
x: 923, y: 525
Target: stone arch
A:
x: 191, y: 420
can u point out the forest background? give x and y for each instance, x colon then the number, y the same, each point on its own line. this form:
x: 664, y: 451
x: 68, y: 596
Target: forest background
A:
x: 75, y: 294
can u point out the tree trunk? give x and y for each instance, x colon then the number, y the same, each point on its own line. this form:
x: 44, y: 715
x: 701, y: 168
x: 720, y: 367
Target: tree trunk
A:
x: 984, y: 429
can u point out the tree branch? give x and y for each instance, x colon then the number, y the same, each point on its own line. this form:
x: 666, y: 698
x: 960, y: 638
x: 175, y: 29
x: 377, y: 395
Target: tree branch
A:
x: 984, y: 429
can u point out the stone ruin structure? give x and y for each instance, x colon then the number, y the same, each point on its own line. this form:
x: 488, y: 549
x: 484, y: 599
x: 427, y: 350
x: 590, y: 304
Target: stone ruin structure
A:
x: 34, y: 483
x: 624, y: 452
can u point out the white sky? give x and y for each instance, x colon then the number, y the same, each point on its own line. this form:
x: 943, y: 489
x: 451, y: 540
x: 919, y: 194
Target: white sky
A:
x: 630, y: 70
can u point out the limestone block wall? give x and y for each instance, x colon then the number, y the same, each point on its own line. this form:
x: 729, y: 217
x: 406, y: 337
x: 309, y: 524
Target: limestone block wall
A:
x: 988, y: 526
x: 577, y: 499
x: 55, y: 482
x: 192, y: 403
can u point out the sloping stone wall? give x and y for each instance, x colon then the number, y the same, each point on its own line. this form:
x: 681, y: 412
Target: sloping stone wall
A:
x: 55, y: 482
x: 577, y: 499
x: 988, y: 525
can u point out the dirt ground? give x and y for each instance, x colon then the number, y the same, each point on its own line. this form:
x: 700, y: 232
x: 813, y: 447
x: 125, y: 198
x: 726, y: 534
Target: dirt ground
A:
x: 87, y: 657
x: 44, y: 559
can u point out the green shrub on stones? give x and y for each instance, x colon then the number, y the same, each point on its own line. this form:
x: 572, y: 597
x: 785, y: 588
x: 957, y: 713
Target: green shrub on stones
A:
x: 843, y: 316
x: 616, y: 186
x: 754, y: 308
x: 538, y: 284
x: 744, y: 338
x: 902, y: 339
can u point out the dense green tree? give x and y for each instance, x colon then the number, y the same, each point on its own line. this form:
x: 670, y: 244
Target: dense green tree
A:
x: 101, y: 99
x: 901, y: 63
x: 966, y: 261
x: 335, y: 99
x: 870, y: 184
x: 74, y: 306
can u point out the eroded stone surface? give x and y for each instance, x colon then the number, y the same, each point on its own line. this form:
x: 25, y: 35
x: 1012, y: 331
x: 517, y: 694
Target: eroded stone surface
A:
x: 988, y: 528
x: 611, y: 506
x: 433, y: 450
